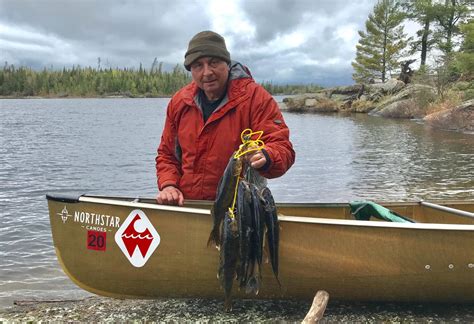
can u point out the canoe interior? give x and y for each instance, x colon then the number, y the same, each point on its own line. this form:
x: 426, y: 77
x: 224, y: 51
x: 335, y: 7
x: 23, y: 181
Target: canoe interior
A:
x: 341, y: 210
x: 357, y: 262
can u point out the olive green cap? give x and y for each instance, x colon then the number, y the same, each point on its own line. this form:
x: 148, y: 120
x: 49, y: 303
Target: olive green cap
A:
x: 206, y: 43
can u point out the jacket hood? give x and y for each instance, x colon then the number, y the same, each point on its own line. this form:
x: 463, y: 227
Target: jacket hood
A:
x: 238, y: 71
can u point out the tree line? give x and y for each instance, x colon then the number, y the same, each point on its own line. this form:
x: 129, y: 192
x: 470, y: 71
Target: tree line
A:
x: 290, y: 89
x: 445, y: 25
x: 91, y: 82
x: 98, y: 82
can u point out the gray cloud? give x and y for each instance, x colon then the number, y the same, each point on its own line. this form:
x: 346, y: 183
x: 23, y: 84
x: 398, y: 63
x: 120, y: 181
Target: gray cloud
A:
x: 282, y: 16
x: 301, y: 41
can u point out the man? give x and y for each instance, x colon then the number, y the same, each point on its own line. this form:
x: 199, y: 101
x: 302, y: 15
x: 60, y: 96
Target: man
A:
x: 204, y: 121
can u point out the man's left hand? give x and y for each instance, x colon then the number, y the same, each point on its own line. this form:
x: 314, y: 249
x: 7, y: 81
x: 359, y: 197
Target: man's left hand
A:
x: 257, y: 159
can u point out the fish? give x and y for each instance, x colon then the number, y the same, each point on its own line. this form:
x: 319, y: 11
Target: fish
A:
x: 256, y: 242
x: 273, y: 229
x: 253, y: 177
x: 239, y: 229
x: 224, y: 198
x: 229, y: 254
x: 245, y: 231
x: 259, y: 220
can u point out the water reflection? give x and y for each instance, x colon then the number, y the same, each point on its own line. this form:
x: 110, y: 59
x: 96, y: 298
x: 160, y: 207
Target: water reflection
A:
x: 410, y: 161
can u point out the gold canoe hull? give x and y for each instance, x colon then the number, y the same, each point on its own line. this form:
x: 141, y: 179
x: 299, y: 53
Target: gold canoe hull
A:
x: 321, y: 247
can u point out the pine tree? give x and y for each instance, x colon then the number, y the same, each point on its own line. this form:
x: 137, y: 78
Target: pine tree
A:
x: 465, y: 57
x: 448, y: 16
x: 381, y: 45
x: 422, y: 12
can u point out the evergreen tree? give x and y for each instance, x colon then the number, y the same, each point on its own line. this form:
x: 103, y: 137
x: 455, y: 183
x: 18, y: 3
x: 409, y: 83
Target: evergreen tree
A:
x: 381, y: 45
x: 422, y: 11
x: 156, y: 66
x: 448, y: 15
x: 465, y: 57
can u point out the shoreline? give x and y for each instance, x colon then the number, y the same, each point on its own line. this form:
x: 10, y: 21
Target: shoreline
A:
x: 100, y: 309
x: 106, y: 97
x: 88, y: 97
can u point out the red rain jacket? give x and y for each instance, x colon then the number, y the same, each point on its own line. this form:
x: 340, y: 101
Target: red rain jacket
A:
x: 192, y: 154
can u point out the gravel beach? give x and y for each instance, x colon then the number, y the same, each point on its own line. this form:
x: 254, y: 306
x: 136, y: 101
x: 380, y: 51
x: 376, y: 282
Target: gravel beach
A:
x: 101, y: 309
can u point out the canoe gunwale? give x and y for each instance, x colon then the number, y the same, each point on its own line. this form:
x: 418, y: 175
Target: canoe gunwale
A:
x: 380, y: 224
x: 135, y: 204
x: 285, y: 218
x: 147, y: 200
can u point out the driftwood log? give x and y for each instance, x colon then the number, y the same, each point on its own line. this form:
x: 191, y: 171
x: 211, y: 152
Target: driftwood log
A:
x: 318, y: 307
x: 406, y: 72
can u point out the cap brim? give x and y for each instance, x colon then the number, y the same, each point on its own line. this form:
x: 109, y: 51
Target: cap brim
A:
x: 190, y: 58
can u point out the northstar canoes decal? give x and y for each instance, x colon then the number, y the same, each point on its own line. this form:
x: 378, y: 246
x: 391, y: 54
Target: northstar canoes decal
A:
x: 137, y: 238
x: 91, y: 221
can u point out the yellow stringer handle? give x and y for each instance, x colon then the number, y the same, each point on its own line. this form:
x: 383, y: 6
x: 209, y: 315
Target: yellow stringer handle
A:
x: 248, y: 145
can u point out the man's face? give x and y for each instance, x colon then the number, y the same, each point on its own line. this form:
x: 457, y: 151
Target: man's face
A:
x: 210, y: 74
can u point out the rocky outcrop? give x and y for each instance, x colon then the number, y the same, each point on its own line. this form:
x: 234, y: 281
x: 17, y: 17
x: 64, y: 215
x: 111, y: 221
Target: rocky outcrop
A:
x: 460, y: 118
x: 311, y: 103
x: 378, y: 90
x: 393, y: 99
x: 355, y: 98
x: 402, y: 104
x: 405, y: 108
x: 362, y: 105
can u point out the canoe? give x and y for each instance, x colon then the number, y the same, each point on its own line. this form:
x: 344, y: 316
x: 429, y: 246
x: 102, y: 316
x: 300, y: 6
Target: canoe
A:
x: 134, y: 248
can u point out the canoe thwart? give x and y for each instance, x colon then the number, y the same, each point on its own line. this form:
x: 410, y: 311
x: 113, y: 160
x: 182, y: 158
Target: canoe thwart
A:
x: 448, y: 209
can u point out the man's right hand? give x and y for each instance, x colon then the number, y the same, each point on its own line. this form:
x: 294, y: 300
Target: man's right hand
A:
x: 170, y: 196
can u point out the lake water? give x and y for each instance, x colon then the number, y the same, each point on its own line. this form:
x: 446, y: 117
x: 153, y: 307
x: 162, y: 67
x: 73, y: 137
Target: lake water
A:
x: 108, y: 146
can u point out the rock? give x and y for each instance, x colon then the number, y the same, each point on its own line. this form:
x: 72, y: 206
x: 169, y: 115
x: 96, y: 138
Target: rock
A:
x: 346, y: 95
x: 407, y: 105
x: 405, y: 108
x: 295, y: 103
x: 362, y: 106
x: 389, y: 87
x: 346, y: 90
x: 460, y: 118
x: 377, y: 91
x: 325, y: 105
x: 343, y: 97
x: 390, y: 99
x: 317, y: 102
x: 310, y: 102
x: 327, y: 100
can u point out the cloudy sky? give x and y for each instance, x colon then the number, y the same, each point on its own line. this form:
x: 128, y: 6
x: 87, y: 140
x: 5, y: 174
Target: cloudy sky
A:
x: 283, y: 41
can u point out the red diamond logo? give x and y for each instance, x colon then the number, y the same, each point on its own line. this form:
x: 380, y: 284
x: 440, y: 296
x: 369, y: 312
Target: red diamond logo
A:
x: 137, y: 238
